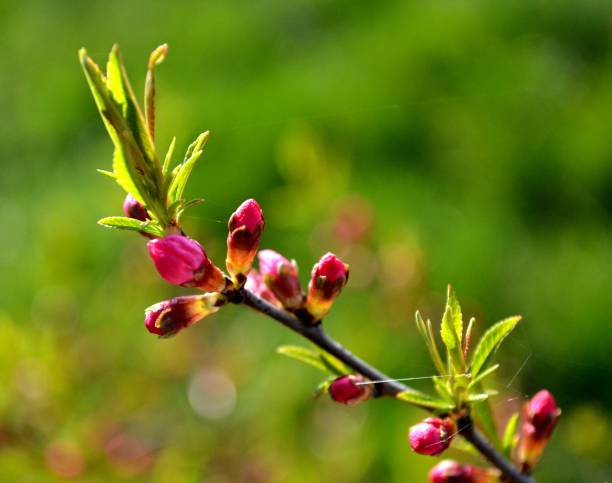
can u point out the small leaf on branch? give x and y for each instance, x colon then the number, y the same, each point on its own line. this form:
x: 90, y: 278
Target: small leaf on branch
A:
x: 124, y: 223
x: 322, y: 388
x: 490, y: 342
x: 510, y: 437
x: 423, y: 400
x: 322, y: 361
x: 482, y: 375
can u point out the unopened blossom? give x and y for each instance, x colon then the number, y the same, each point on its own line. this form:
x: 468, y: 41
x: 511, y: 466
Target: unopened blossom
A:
x: 348, y: 390
x: 329, y: 275
x: 432, y: 436
x: 135, y: 209
x: 540, y: 418
x: 449, y: 471
x: 281, y: 277
x: 182, y: 261
x: 168, y: 317
x: 245, y: 227
x: 254, y: 283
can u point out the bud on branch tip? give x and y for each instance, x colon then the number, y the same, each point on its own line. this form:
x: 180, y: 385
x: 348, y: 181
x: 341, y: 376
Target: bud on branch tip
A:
x: 329, y: 275
x: 346, y: 390
x: 432, y: 436
x: 168, y: 317
x: 245, y: 227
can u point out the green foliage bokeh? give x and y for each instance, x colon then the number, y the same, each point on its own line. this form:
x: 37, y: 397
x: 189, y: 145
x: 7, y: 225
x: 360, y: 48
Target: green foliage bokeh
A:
x: 473, y: 136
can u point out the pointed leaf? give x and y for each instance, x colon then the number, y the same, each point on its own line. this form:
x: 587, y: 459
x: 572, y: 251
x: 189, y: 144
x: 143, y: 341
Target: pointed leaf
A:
x: 124, y: 223
x: 322, y: 388
x: 182, y: 171
x: 156, y: 58
x: 334, y: 365
x: 302, y: 354
x: 482, y: 375
x: 442, y: 388
x: 510, y: 437
x: 490, y: 342
x: 423, y: 400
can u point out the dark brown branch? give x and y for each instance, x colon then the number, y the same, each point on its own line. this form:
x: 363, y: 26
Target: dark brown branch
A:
x: 389, y: 387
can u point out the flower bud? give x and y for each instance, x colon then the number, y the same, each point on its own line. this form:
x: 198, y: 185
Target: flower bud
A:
x: 183, y: 261
x: 280, y: 275
x: 135, y: 209
x: 432, y: 436
x: 329, y: 275
x: 254, y: 283
x: 540, y: 418
x: 245, y: 228
x: 345, y: 389
x: 449, y: 471
x: 168, y: 317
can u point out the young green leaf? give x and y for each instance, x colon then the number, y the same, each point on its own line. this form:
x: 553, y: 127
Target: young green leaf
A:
x: 490, y: 342
x: 482, y: 375
x: 182, y: 171
x: 302, y: 354
x: 510, y: 437
x: 442, y: 388
x: 333, y: 365
x: 156, y: 58
x: 423, y: 400
x: 430, y: 341
x: 451, y: 330
x: 168, y: 158
x: 124, y: 223
x: 322, y: 388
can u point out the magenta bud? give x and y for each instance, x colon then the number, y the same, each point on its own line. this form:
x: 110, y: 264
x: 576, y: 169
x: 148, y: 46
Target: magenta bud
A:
x: 329, y: 275
x: 540, y: 418
x: 280, y: 275
x: 168, y: 317
x: 347, y: 390
x: 183, y: 261
x: 254, y: 283
x: 432, y: 436
x: 135, y: 209
x: 449, y: 471
x: 245, y: 227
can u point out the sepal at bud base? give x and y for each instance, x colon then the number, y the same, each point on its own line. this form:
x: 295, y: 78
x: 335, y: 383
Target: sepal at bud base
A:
x: 540, y: 418
x: 170, y: 316
x: 280, y: 275
x: 245, y: 227
x: 255, y: 284
x: 432, y: 436
x: 329, y: 275
x: 449, y: 471
x: 135, y: 209
x: 347, y: 390
x: 182, y: 261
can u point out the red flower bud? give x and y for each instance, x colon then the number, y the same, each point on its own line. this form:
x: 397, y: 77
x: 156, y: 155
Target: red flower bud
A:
x: 329, y: 275
x: 255, y: 284
x: 280, y: 275
x: 540, y: 418
x: 346, y: 391
x: 449, y: 471
x: 245, y: 228
x: 183, y: 261
x: 168, y: 317
x: 432, y: 436
x: 135, y: 209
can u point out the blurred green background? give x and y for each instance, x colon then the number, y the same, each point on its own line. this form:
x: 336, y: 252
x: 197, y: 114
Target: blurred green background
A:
x: 425, y: 142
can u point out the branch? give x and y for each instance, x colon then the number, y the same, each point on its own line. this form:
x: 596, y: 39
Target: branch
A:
x: 389, y: 387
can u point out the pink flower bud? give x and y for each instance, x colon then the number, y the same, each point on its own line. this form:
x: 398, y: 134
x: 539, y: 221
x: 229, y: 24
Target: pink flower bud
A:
x: 135, y: 209
x: 168, y: 317
x: 329, y: 275
x: 432, y: 436
x: 245, y: 228
x: 183, y: 261
x: 540, y: 418
x: 255, y: 284
x: 449, y: 471
x: 280, y: 275
x: 346, y: 391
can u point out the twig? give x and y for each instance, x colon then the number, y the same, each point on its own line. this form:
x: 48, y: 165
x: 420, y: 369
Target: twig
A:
x: 389, y: 387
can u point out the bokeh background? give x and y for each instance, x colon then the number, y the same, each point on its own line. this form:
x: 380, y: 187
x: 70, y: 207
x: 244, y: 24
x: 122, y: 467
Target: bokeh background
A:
x: 425, y: 142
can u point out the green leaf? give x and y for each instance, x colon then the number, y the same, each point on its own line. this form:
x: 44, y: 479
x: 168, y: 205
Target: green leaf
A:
x: 124, y: 223
x: 510, y: 437
x: 490, y: 342
x: 451, y: 330
x: 156, y: 58
x: 322, y: 388
x: 427, y: 333
x: 482, y: 375
x: 182, y: 171
x: 423, y: 400
x: 334, y: 365
x: 441, y: 386
x: 302, y: 354
x: 168, y: 157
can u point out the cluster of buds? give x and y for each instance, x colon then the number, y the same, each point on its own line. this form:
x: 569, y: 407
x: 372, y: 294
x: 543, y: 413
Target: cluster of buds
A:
x: 350, y: 389
x: 432, y: 436
x: 449, y: 471
x: 182, y: 261
x: 540, y: 418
